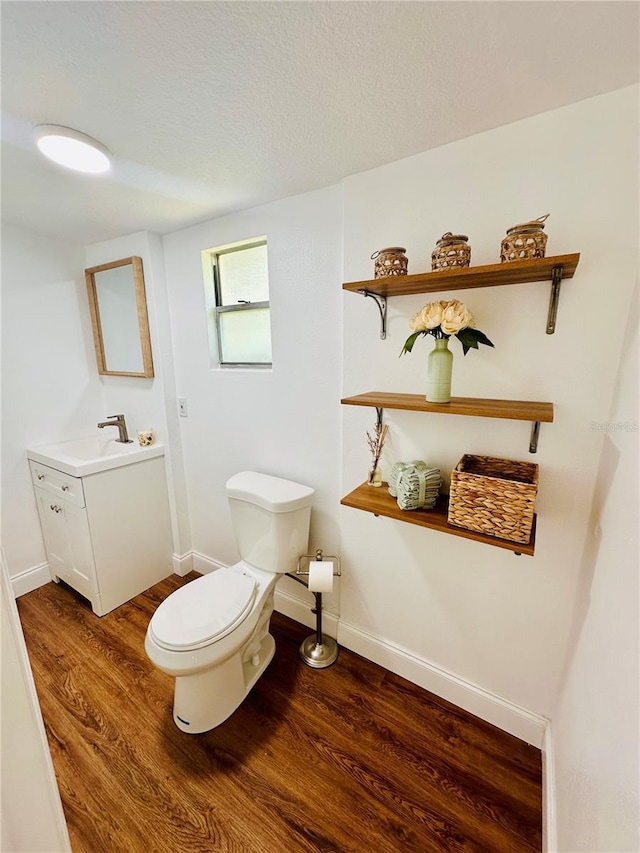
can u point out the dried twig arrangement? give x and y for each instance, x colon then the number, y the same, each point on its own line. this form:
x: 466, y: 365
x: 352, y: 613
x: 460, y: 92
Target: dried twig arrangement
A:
x: 376, y: 443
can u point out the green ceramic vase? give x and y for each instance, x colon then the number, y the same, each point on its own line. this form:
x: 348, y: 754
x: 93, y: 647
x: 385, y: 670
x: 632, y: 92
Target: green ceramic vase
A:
x: 439, y: 367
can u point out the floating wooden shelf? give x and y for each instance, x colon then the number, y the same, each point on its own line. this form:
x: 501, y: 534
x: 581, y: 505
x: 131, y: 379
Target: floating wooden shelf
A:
x: 379, y: 502
x: 492, y: 275
x: 517, y: 410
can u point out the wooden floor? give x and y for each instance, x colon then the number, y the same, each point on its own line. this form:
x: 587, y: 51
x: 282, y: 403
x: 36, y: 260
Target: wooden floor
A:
x: 349, y: 758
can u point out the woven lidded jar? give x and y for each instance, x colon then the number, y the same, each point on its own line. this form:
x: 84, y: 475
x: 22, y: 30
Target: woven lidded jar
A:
x: 452, y: 250
x: 391, y: 261
x: 524, y: 241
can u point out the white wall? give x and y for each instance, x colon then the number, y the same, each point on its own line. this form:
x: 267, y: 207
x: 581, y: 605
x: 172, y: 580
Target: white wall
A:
x: 150, y: 403
x: 141, y: 400
x: 444, y: 611
x: 51, y: 390
x: 596, y: 726
x: 283, y: 421
x: 50, y: 387
x: 495, y: 620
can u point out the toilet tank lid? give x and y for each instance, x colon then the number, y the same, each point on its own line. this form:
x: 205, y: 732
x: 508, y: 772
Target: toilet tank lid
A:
x: 271, y: 493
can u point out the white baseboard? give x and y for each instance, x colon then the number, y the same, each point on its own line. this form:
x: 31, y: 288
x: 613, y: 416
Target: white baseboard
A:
x: 203, y: 565
x: 182, y: 565
x: 299, y: 609
x: 489, y: 707
x: 549, y: 821
x: 30, y: 579
x: 493, y: 709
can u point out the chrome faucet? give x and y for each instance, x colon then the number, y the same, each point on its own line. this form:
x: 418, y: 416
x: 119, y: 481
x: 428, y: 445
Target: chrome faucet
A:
x: 117, y: 421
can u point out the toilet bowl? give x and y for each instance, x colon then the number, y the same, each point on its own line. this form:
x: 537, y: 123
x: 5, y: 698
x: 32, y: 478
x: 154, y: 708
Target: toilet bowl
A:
x: 213, y: 633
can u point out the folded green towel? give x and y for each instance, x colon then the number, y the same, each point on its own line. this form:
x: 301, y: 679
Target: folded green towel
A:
x: 417, y: 486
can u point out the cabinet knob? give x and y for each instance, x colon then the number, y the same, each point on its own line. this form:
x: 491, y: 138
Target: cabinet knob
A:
x: 65, y: 488
x: 40, y: 476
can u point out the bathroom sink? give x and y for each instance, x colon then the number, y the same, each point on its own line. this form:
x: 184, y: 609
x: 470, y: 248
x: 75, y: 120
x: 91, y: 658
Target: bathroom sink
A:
x: 84, y: 456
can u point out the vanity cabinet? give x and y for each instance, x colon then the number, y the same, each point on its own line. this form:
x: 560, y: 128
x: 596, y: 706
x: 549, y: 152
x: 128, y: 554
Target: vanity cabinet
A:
x: 108, y: 534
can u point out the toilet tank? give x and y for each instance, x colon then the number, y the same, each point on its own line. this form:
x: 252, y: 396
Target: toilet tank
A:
x: 270, y: 519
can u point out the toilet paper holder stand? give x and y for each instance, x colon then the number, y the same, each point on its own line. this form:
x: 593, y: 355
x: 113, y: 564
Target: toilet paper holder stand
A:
x: 318, y: 650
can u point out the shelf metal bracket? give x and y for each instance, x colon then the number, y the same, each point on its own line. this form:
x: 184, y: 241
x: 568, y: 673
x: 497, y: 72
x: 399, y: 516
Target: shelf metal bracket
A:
x: 535, y: 433
x: 381, y: 302
x: 556, y: 280
x: 380, y: 412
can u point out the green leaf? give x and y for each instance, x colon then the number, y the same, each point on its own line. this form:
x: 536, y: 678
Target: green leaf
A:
x: 471, y: 338
x: 408, y: 344
x: 467, y: 340
x: 482, y: 338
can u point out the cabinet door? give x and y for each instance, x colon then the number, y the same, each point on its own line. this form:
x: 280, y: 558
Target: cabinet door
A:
x: 68, y: 543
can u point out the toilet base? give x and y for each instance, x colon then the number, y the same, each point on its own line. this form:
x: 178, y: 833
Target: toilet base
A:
x: 206, y: 699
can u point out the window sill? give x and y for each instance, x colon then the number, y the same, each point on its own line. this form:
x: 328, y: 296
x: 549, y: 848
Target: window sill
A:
x: 242, y: 368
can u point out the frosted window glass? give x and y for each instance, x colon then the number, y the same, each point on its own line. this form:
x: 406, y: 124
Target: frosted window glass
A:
x: 245, y: 336
x: 243, y: 276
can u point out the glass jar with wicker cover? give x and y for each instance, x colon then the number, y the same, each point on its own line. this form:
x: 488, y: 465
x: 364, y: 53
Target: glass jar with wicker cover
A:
x: 452, y: 250
x: 525, y: 241
x: 390, y: 261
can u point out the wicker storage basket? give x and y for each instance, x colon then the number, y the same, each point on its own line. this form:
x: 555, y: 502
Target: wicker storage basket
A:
x: 494, y: 496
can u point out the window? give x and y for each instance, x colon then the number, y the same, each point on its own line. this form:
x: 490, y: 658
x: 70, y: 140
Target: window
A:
x: 237, y: 289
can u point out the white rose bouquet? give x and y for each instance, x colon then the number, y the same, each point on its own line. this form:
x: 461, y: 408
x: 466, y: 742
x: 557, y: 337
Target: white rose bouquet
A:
x: 443, y: 319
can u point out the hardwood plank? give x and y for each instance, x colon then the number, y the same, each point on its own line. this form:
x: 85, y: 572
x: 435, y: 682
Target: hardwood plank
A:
x: 379, y: 502
x: 519, y: 410
x: 490, y: 275
x: 348, y: 759
x: 456, y: 782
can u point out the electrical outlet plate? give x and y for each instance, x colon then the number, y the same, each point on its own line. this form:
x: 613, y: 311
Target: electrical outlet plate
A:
x: 182, y: 407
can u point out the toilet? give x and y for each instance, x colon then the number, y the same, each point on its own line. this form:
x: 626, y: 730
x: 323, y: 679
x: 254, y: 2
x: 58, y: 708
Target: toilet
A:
x: 213, y: 633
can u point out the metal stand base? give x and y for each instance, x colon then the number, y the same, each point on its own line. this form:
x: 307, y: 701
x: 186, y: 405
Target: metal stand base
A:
x: 319, y: 655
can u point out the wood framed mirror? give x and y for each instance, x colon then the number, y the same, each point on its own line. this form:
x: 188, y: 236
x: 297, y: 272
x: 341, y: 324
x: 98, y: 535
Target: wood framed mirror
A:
x: 118, y: 305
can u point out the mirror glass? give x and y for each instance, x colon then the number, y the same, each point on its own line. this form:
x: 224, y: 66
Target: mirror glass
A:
x: 119, y: 317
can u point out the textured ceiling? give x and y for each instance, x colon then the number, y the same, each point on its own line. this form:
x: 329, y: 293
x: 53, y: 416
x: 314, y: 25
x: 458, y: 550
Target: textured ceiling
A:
x: 212, y: 107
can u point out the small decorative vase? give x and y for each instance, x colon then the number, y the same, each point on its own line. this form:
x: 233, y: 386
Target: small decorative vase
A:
x: 439, y: 367
x: 375, y: 478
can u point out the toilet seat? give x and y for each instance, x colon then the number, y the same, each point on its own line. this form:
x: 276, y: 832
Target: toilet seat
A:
x: 203, y: 611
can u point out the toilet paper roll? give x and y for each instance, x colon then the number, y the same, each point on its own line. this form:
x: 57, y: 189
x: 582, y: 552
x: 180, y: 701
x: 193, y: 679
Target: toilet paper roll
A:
x: 321, y: 576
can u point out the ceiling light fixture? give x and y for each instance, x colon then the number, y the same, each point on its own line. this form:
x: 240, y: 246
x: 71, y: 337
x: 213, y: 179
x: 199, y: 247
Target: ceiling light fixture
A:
x: 72, y: 149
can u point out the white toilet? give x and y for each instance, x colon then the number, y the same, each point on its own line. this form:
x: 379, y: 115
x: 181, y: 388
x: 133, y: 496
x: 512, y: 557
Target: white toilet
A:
x: 213, y: 633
